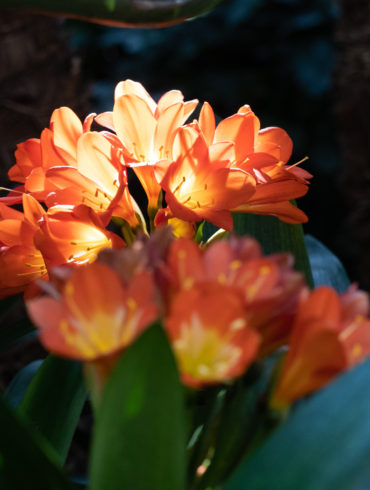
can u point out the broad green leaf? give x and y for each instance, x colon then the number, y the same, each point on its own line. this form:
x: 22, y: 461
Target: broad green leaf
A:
x: 276, y: 236
x: 18, y: 386
x: 26, y: 460
x: 273, y: 235
x: 139, y: 436
x: 124, y: 13
x: 325, y: 444
x: 53, y: 402
x: 326, y: 267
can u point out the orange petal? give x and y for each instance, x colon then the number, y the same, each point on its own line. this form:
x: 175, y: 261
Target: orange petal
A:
x: 129, y: 87
x: 67, y: 128
x: 207, y: 122
x: 279, y: 139
x: 134, y: 123
x: 168, y: 99
x: 33, y: 211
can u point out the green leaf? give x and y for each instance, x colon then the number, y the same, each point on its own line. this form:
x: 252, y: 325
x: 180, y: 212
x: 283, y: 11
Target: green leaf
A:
x: 124, y: 13
x: 242, y: 416
x: 26, y: 460
x: 139, y: 436
x: 18, y: 386
x: 53, y: 402
x: 325, y: 444
x: 326, y: 267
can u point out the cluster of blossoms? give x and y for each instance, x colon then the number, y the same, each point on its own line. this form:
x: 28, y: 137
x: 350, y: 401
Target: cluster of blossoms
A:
x: 75, y: 180
x: 223, y: 305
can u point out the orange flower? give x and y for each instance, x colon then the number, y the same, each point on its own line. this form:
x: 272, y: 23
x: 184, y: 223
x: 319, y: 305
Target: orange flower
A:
x: 210, y: 336
x: 73, y: 237
x: 331, y: 333
x: 262, y: 154
x: 201, y: 185
x: 56, y: 146
x: 276, y: 185
x: 268, y: 286
x: 146, y: 129
x: 98, y: 180
x: 243, y: 128
x: 20, y: 261
x: 93, y: 315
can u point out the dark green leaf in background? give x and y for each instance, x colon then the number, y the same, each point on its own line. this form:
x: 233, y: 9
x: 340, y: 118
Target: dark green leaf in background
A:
x: 242, y: 419
x: 19, y: 384
x: 326, y: 267
x: 26, y: 460
x: 324, y: 445
x: 53, y: 402
x: 139, y: 436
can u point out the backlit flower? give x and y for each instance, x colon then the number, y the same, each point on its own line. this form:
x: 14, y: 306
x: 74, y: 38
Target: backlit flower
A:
x: 331, y: 333
x: 201, y: 185
x: 98, y: 180
x: 146, y: 129
x: 21, y: 263
x: 57, y: 146
x: 73, y: 237
x: 262, y: 153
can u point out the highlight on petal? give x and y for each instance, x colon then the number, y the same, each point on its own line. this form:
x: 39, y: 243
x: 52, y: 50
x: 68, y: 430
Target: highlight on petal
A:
x: 199, y: 188
x: 98, y: 181
x: 130, y: 87
x: 73, y: 237
x: 146, y: 129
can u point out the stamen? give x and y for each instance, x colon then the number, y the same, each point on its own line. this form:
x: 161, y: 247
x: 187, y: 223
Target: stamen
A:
x: 298, y: 163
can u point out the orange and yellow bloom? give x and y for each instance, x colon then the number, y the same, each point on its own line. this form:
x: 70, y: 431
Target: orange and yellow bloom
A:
x: 21, y: 263
x: 146, y: 129
x: 199, y: 185
x: 331, y: 333
x: 94, y: 314
x: 210, y: 335
x: 57, y: 146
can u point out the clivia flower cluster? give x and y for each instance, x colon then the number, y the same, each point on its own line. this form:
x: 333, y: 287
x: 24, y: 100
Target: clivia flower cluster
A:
x: 223, y: 305
x: 74, y: 180
x: 97, y: 271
